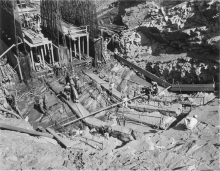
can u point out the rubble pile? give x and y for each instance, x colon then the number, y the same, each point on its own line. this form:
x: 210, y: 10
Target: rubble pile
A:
x: 92, y: 97
x: 173, y: 15
x: 150, y: 12
x: 8, y: 76
x: 199, y: 20
x: 93, y: 100
x: 26, y: 98
x: 93, y: 149
x: 186, y: 29
x: 130, y: 45
x: 135, y: 15
x: 185, y: 71
x: 31, y: 21
x: 176, y: 68
x: 120, y: 75
x: 8, y: 95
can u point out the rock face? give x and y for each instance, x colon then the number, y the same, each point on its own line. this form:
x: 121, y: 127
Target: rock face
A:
x: 173, y: 68
x: 165, y: 30
x: 174, y: 14
x: 185, y: 71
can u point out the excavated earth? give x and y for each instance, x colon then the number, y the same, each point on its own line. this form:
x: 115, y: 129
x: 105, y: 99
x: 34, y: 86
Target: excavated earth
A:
x: 174, y: 149
x: 172, y: 60
x: 178, y: 40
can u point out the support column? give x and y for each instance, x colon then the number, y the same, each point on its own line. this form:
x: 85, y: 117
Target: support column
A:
x: 52, y: 53
x: 71, y: 59
x: 58, y: 52
x: 45, y: 50
x: 83, y: 46
x: 75, y: 47
x: 32, y: 59
x: 42, y: 54
x: 38, y: 53
x: 79, y: 48
x: 87, y: 45
x: 47, y: 47
x: 19, y: 67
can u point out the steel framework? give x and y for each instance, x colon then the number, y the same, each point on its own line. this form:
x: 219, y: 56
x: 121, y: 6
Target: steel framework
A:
x: 50, y: 20
x: 78, y: 13
x: 81, y: 13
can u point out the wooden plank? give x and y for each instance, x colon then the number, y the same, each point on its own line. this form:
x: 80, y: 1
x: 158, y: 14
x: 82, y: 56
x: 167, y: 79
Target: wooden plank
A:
x: 8, y: 111
x: 31, y: 132
x: 58, y: 138
x: 104, y: 84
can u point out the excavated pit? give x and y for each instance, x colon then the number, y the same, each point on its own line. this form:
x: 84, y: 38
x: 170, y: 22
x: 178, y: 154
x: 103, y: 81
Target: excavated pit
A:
x: 170, y: 56
x: 124, y: 78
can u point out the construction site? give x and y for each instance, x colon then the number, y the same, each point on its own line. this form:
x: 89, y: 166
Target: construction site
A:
x: 109, y: 85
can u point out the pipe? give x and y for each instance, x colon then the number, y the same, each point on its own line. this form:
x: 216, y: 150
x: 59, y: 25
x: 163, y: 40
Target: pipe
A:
x: 105, y: 108
x: 19, y: 67
x: 193, y: 87
x: 8, y: 111
x: 7, y: 50
x: 32, y: 132
x: 94, y: 113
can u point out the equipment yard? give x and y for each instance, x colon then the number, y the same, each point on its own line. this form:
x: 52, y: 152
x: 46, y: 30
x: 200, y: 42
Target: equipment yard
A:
x: 109, y: 85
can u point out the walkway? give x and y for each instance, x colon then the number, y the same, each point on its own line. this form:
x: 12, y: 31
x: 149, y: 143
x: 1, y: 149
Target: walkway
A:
x: 104, y: 84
